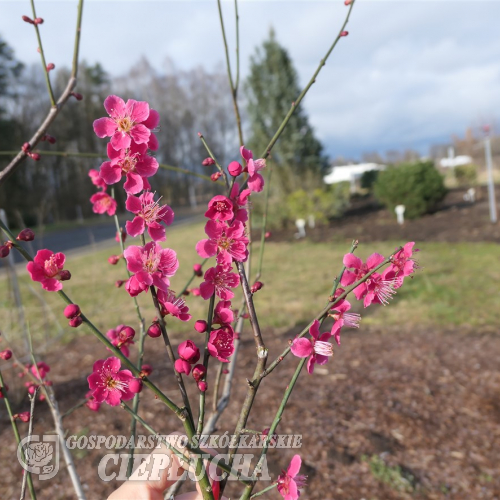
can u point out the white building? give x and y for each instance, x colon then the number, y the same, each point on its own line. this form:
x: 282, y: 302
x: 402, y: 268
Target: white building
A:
x: 350, y: 173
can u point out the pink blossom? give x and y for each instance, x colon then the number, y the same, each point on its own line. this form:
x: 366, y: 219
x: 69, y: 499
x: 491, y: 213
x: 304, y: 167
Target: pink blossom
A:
x: 91, y: 403
x: 182, y: 366
x: 108, y: 383
x: 96, y: 179
x: 380, y: 288
x: 359, y: 271
x: 199, y: 372
x: 128, y: 122
x: 290, y: 482
x: 228, y: 242
x: 255, y: 180
x: 148, y: 213
x: 133, y: 163
x: 152, y: 265
x: 240, y: 202
x: 317, y: 347
x: 121, y: 337
x: 169, y: 304
x: 188, y: 351
x: 219, y: 280
x: 220, y: 208
x: 103, y: 202
x: 343, y: 318
x: 223, y: 314
x: 40, y: 370
x: 403, y: 264
x: 47, y: 268
x: 201, y: 326
x: 221, y: 343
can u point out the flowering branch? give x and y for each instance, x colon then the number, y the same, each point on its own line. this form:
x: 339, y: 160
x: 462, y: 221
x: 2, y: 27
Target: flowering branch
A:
x: 54, y: 110
x: 217, y: 164
x: 13, y: 423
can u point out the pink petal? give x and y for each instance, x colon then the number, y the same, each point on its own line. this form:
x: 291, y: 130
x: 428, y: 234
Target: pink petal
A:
x: 206, y: 248
x: 137, y: 110
x: 147, y: 167
x: 214, y: 229
x: 104, y: 127
x: 133, y: 184
x: 114, y: 397
x: 111, y: 174
x: 256, y: 183
x: 133, y: 204
x: 294, y: 467
x: 157, y: 232
x: 374, y: 260
x: 135, y: 227
x: 351, y: 261
x: 153, y: 119
x: 51, y: 285
x: 314, y: 329
x: 113, y: 364
x: 120, y: 140
x: 246, y: 153
x: 302, y: 347
x: 140, y: 134
x: 206, y: 290
x: 310, y: 365
x: 36, y: 271
x: 153, y: 142
x: 115, y: 106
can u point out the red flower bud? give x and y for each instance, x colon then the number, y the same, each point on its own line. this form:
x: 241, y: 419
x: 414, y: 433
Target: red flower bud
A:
x: 202, y: 386
x: 24, y: 416
x: 38, y: 20
x: 197, y: 270
x: 182, y: 366
x: 5, y: 355
x: 77, y: 96
x: 75, y: 322
x: 225, y: 371
x: 121, y: 236
x: 49, y: 139
x: 154, y: 330
x: 119, y: 283
x: 26, y: 235
x: 201, y: 326
x: 267, y: 235
x: 50, y: 66
x: 256, y: 286
x: 146, y: 370
x: 26, y: 147
x: 235, y: 168
x: 64, y: 275
x: 347, y: 2
x: 207, y: 162
x: 189, y: 351
x: 215, y: 177
x: 113, y: 260
x: 199, y: 372
x: 344, y: 33
x: 28, y: 20
x: 71, y: 311
x: 34, y: 156
x: 135, y: 385
x: 4, y: 251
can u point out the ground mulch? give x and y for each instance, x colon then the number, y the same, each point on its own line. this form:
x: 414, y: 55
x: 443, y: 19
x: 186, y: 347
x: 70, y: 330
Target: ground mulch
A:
x: 427, y: 402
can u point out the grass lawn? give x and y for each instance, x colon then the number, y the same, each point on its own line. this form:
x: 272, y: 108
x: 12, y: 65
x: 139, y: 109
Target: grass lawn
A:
x: 457, y: 284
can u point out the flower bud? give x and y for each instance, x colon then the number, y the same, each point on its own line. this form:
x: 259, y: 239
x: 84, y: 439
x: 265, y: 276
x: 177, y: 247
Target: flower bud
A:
x: 4, y: 251
x: 121, y: 236
x: 207, y: 162
x: 75, y: 322
x: 199, y: 372
x: 3, y: 390
x: 126, y: 333
x: 347, y: 2
x: 225, y: 371
x: 215, y: 177
x: 64, y: 275
x: 197, y: 270
x: 77, y: 96
x: 50, y: 66
x: 182, y: 366
x: 267, y: 235
x: 34, y: 156
x: 202, y: 386
x: 28, y: 20
x: 201, y: 326
x: 26, y: 147
x: 113, y: 260
x: 189, y: 352
x: 5, y: 355
x: 23, y: 416
x: 196, y: 292
x: 256, y: 286
x: 135, y: 385
x: 119, y: 283
x: 146, y: 370
x: 344, y: 33
x: 234, y: 168
x: 49, y: 139
x: 38, y: 20
x: 26, y: 235
x: 71, y: 311
x: 154, y: 330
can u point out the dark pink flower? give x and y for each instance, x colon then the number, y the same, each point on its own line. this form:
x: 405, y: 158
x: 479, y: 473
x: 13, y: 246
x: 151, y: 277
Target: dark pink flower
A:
x: 108, y: 383
x: 234, y: 168
x: 201, y: 326
x: 182, y: 366
x: 359, y: 271
x: 223, y: 314
x: 290, y: 482
x: 169, y: 304
x: 240, y: 202
x: 343, y: 318
x: 47, y: 268
x: 128, y: 122
x: 228, y: 242
x: 135, y: 385
x: 133, y: 162
x: 103, y: 202
x: 221, y: 343
x: 380, y: 288
x: 6, y: 354
x: 188, y: 351
x: 150, y: 214
x: 121, y: 337
x: 152, y: 265
x: 403, y: 264
x: 40, y: 370
x: 91, y: 403
x: 255, y: 180
x: 220, y: 208
x: 96, y: 179
x: 317, y: 347
x: 71, y: 311
x: 199, y: 372
x: 219, y: 280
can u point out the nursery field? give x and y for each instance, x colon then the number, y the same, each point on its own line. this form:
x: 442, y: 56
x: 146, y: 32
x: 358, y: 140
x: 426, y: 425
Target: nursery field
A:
x: 407, y: 408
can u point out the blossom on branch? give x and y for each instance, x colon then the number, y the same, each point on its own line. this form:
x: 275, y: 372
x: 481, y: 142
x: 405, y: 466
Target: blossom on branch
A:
x: 47, y: 268
x: 220, y: 208
x: 289, y: 481
x: 103, y: 203
x: 221, y: 343
x: 219, y: 280
x: 170, y: 304
x: 342, y: 318
x: 359, y: 270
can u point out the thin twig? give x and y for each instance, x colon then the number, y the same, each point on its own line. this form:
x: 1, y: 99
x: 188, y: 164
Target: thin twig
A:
x: 30, y: 432
x: 217, y: 164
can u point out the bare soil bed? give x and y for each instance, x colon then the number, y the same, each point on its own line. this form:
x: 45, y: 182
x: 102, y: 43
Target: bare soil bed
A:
x: 425, y: 401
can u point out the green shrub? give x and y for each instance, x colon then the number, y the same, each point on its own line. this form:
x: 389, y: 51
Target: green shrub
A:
x: 466, y: 175
x: 368, y: 179
x: 418, y: 186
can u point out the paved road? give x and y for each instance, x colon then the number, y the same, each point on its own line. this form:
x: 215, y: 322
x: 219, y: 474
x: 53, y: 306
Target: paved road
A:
x: 86, y: 237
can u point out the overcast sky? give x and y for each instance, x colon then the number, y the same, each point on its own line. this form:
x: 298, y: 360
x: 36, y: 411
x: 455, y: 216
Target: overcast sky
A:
x: 408, y: 75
